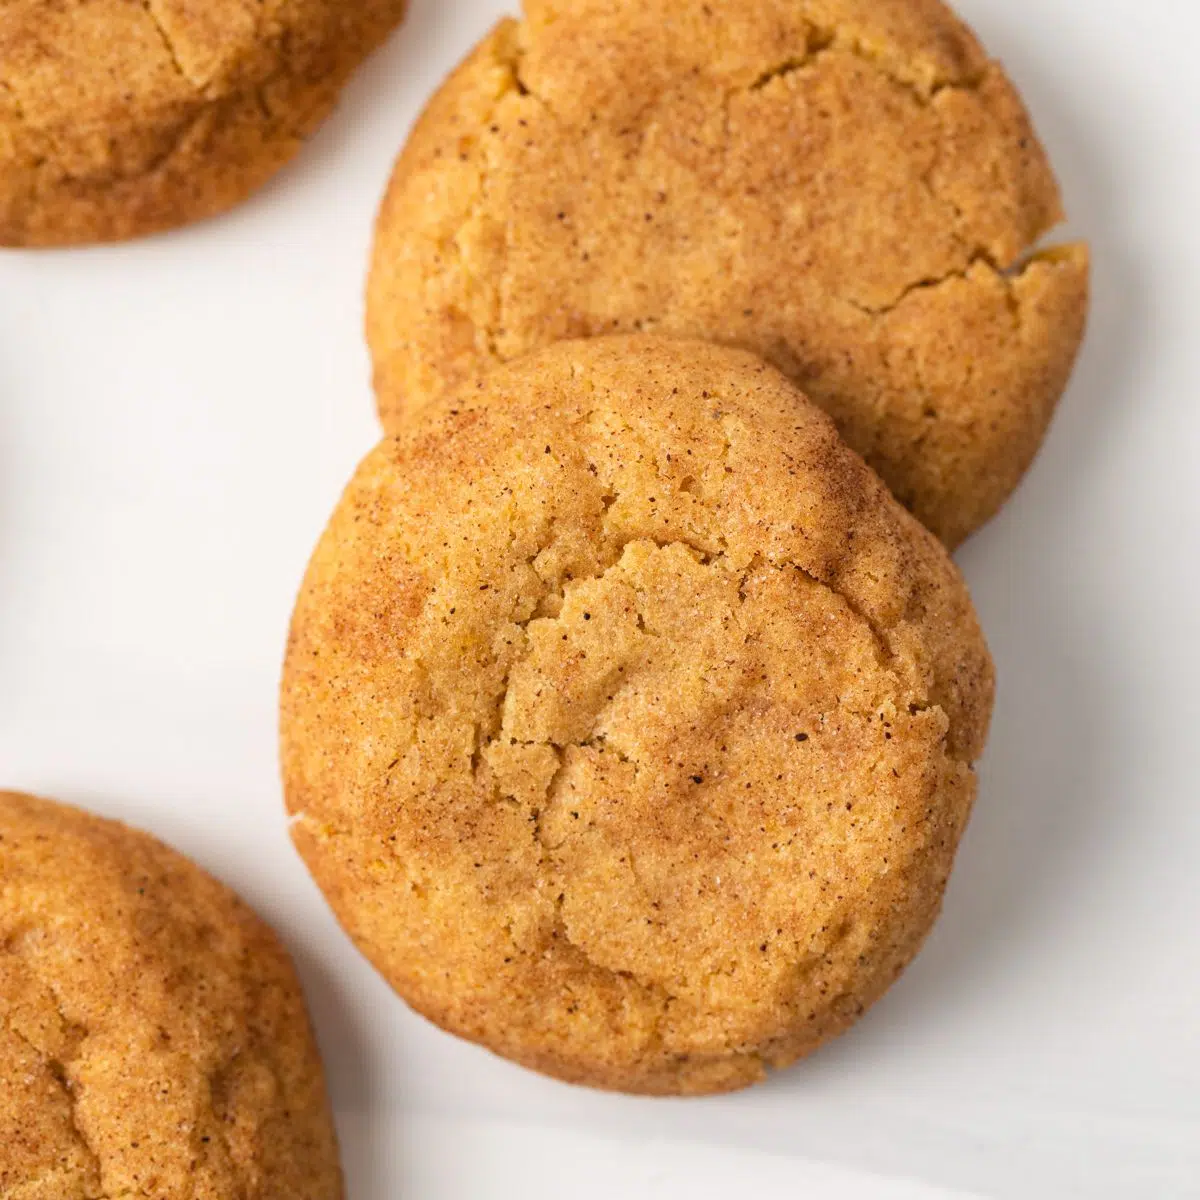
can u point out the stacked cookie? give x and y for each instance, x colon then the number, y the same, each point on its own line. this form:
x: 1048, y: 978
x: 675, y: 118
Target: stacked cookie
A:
x: 632, y: 699
x: 629, y: 719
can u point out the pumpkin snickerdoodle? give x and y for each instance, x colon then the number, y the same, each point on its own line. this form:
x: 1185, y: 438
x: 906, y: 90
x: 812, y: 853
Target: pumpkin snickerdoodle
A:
x: 628, y: 721
x: 153, y: 1038
x: 849, y: 188
x: 120, y: 118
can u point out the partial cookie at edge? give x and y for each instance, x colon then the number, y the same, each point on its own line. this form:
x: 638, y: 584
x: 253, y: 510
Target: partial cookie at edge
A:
x: 152, y: 1030
x: 120, y: 119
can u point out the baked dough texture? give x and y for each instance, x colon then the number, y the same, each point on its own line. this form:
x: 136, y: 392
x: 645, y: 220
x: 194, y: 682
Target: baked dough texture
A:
x: 849, y: 188
x: 124, y: 117
x: 628, y: 721
x: 153, y: 1038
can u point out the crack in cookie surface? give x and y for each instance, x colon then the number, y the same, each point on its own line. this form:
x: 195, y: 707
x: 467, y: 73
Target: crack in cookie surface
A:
x: 825, y: 42
x: 601, y: 737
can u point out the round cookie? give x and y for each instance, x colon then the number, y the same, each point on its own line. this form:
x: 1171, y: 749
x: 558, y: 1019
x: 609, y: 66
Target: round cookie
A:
x: 153, y: 1037
x: 120, y: 118
x: 849, y: 188
x: 628, y: 721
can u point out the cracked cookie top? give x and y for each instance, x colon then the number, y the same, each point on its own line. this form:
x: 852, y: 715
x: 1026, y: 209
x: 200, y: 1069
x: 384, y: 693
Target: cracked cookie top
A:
x: 849, y: 188
x: 153, y: 1038
x: 124, y: 117
x: 628, y: 721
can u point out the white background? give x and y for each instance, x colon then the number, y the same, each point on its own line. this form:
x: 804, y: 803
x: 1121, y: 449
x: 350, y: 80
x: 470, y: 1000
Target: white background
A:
x: 177, y: 418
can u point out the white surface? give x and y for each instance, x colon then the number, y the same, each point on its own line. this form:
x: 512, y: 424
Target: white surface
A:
x: 176, y: 420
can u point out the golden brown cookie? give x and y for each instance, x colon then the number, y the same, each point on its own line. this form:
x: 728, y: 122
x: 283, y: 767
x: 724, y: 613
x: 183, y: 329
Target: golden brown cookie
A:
x: 124, y: 117
x: 153, y: 1038
x: 628, y: 721
x: 849, y: 188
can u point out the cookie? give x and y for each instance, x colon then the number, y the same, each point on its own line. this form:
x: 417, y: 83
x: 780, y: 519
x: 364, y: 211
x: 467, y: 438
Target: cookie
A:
x: 153, y: 1038
x: 849, y: 188
x: 628, y: 721
x: 120, y: 118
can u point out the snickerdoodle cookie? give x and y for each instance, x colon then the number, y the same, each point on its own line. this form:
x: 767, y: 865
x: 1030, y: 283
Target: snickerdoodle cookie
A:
x: 153, y: 1038
x: 628, y: 721
x: 123, y: 117
x: 849, y: 188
